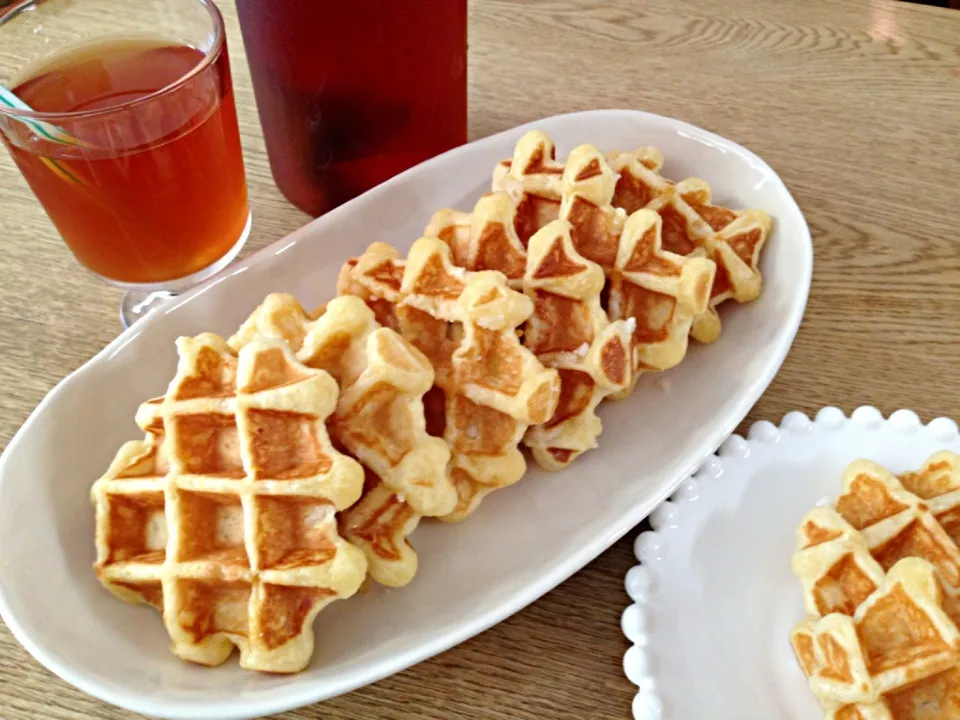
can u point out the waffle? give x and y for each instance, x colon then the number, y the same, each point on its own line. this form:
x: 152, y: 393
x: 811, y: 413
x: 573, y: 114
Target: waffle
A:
x: 488, y: 388
x: 691, y: 223
x: 898, y: 636
x: 834, y: 564
x: 223, y: 517
x: 569, y: 329
x: 664, y: 292
x: 661, y: 291
x: 485, y: 239
x: 379, y: 418
x: 895, y: 523
x: 570, y: 332
x: 904, y: 663
x: 734, y: 239
x: 935, y: 698
x: 532, y: 178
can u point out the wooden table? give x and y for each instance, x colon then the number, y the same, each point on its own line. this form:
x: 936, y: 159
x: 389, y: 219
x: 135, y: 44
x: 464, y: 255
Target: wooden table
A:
x: 855, y: 104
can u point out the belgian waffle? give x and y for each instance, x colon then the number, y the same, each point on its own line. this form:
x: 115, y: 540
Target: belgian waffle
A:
x: 379, y: 417
x: 883, y: 645
x: 897, y: 636
x: 662, y: 291
x: 539, y: 184
x: 733, y: 239
x: 488, y: 388
x: 570, y: 332
x: 224, y: 516
x: 569, y: 329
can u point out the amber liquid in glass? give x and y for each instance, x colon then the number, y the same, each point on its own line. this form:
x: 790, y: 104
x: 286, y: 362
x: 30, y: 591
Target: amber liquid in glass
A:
x: 157, y: 191
x: 352, y: 92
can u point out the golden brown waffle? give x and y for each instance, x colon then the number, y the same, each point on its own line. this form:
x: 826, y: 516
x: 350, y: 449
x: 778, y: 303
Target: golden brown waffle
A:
x: 224, y: 516
x: 566, y: 293
x: 570, y: 332
x: 485, y: 239
x: 691, y: 223
x: 379, y: 418
x: 898, y: 636
x: 488, y: 388
x: 609, y: 189
x: 935, y: 698
x: 904, y: 659
x: 896, y: 523
x: 834, y: 564
x: 661, y: 291
x: 532, y: 179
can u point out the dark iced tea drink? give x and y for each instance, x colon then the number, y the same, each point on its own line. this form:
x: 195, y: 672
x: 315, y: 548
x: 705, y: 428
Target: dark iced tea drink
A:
x: 352, y: 92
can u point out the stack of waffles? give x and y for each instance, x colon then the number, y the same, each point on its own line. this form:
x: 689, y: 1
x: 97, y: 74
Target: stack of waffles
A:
x: 289, y: 462
x: 881, y: 578
x: 488, y: 388
x: 285, y: 464
x: 611, y: 253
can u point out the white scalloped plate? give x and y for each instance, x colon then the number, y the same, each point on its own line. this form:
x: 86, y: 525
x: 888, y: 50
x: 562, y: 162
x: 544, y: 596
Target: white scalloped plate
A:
x: 522, y: 541
x: 714, y: 597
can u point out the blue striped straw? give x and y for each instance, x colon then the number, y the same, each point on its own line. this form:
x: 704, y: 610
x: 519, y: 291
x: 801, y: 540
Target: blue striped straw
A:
x: 44, y: 130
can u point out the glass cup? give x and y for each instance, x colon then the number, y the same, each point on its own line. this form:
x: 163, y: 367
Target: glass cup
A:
x: 130, y: 141
x: 352, y: 92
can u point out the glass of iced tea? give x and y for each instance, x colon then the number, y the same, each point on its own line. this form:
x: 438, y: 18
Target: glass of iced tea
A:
x: 352, y: 92
x: 130, y: 141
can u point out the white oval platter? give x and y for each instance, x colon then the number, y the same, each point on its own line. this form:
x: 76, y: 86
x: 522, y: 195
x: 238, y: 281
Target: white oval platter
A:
x: 521, y: 543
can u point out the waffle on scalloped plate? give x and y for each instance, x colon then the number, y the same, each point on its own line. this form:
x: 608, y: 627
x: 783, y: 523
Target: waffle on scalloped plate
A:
x: 879, y: 573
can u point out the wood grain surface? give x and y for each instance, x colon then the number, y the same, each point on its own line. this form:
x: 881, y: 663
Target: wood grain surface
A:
x: 856, y: 104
